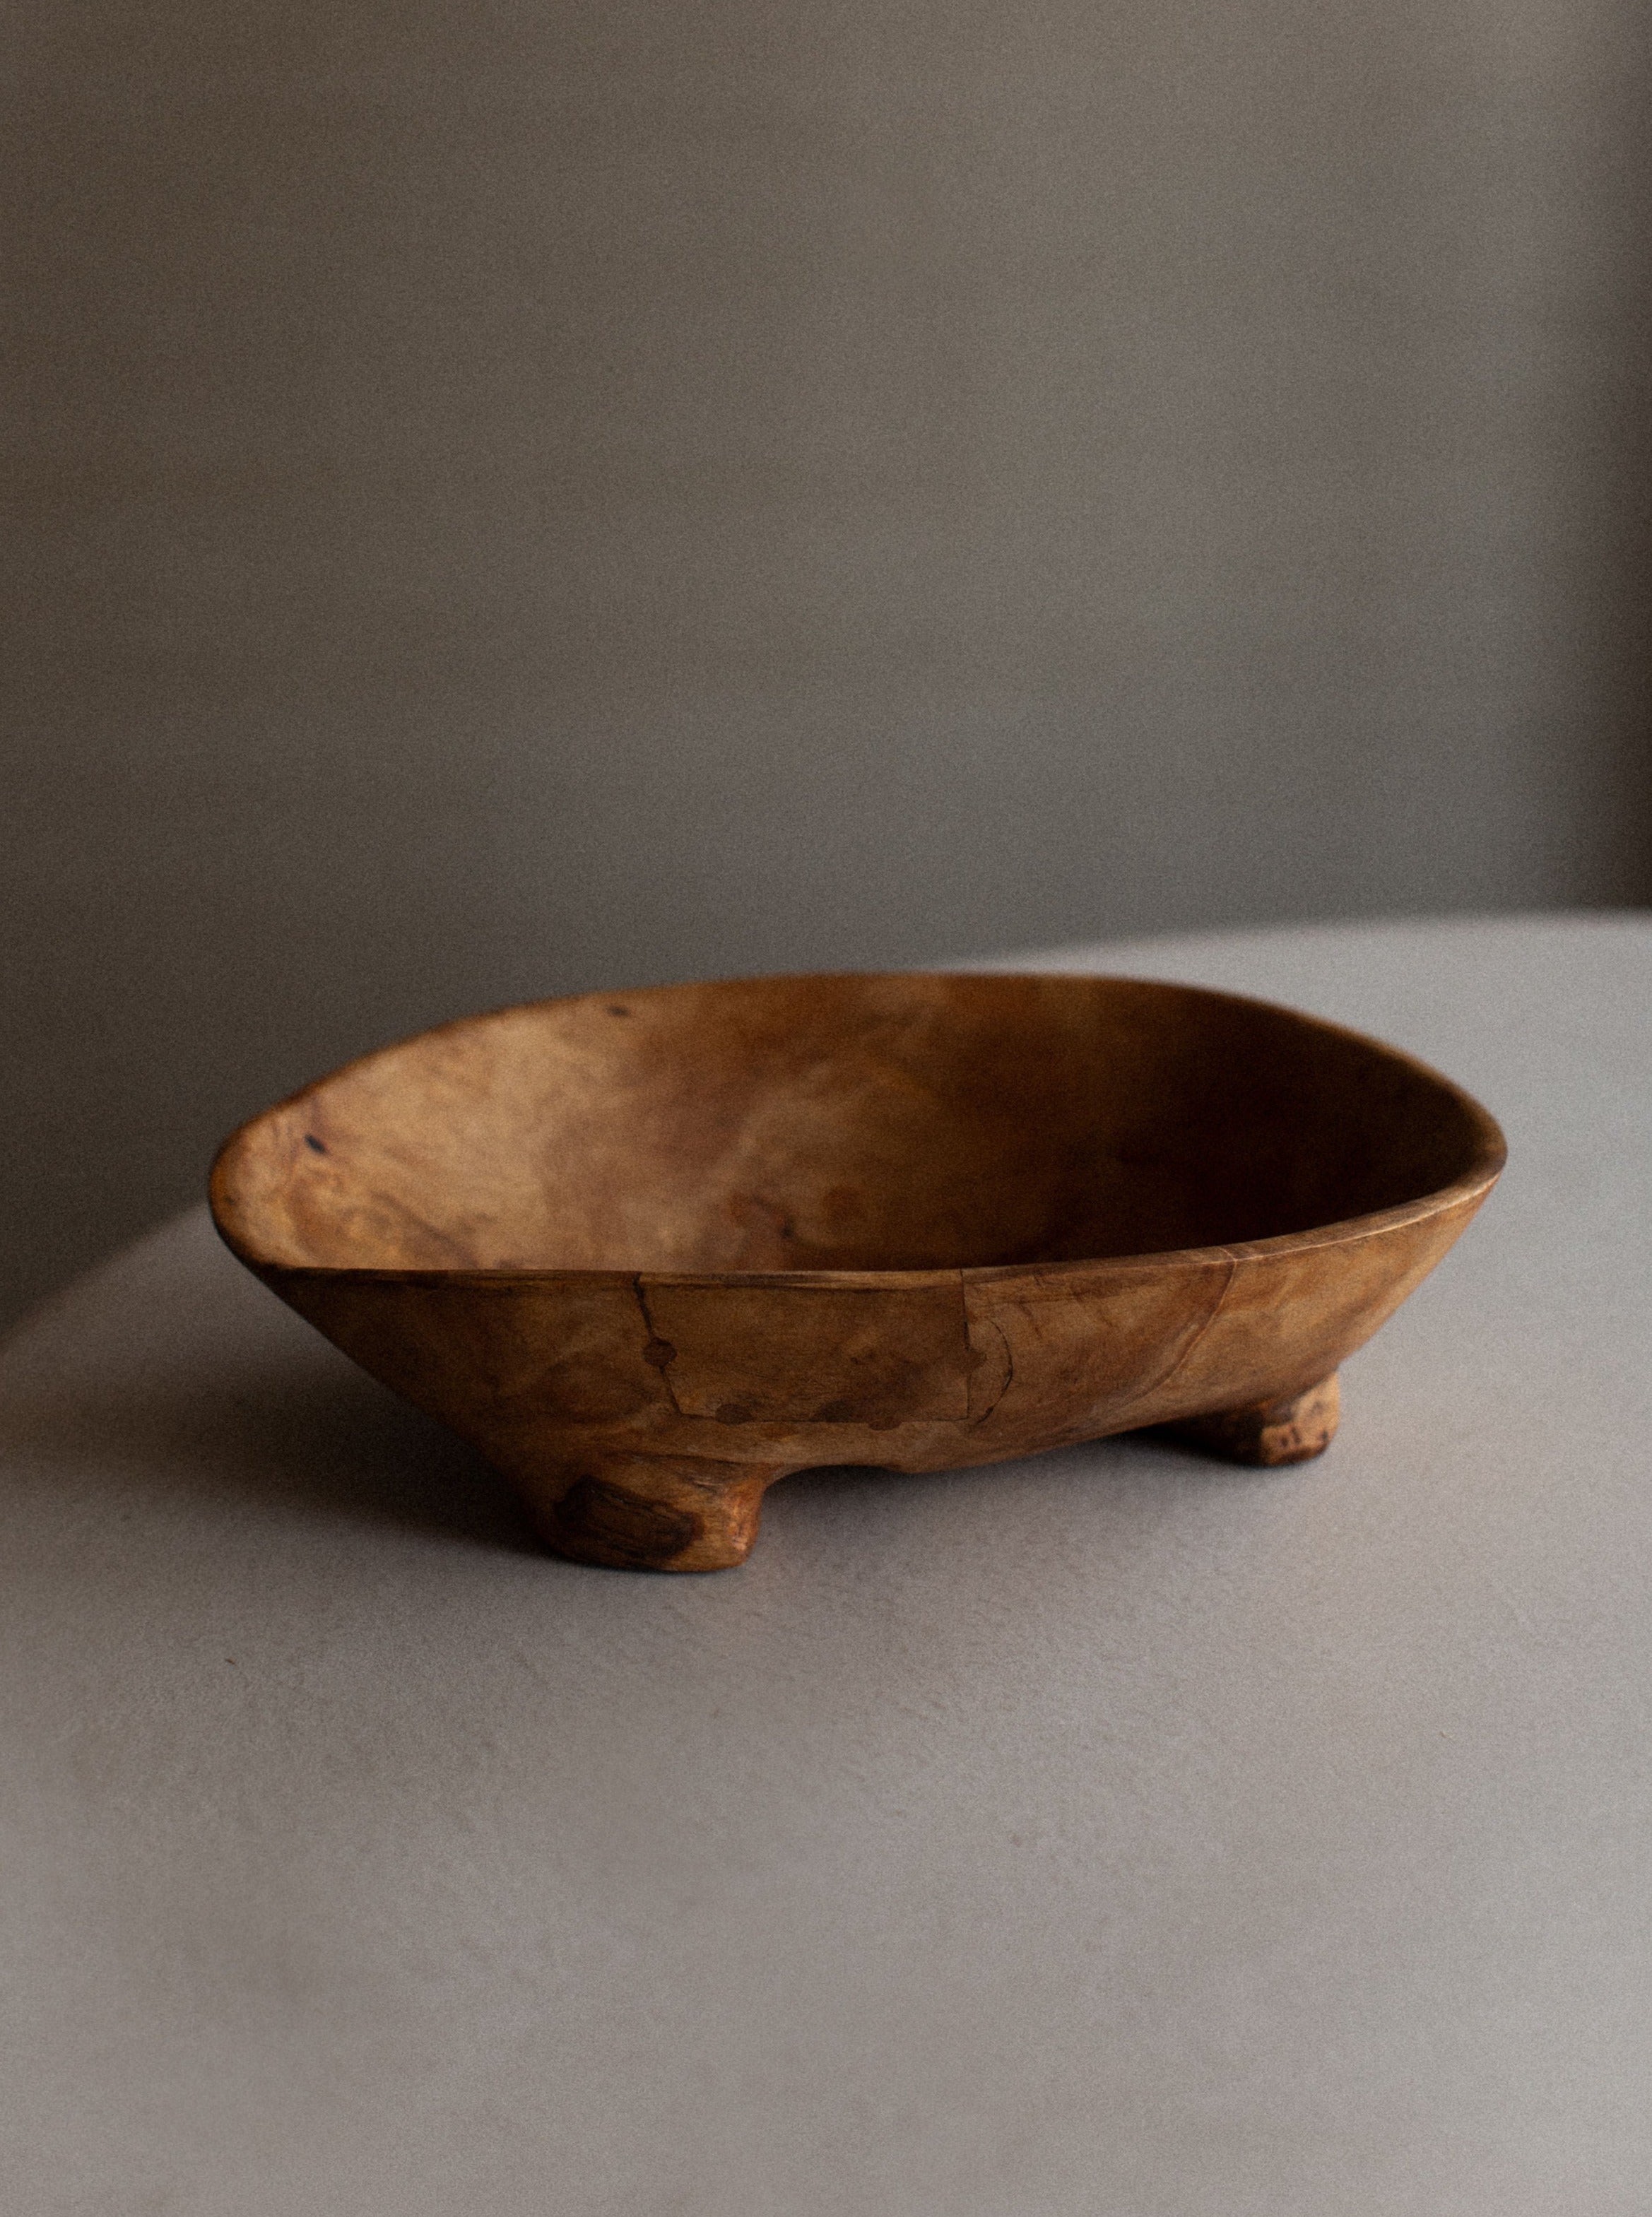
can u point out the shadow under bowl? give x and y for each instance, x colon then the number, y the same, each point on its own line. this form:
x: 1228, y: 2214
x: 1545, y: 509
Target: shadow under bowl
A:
x: 651, y: 1251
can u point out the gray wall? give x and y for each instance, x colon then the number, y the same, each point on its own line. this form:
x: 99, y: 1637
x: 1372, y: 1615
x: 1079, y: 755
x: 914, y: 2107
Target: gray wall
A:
x: 512, y: 498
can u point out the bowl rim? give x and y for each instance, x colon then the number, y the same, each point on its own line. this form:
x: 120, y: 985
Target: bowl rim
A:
x: 1471, y: 1184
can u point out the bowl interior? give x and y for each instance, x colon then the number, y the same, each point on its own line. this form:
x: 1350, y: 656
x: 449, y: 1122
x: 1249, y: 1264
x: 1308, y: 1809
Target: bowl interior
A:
x: 905, y: 1122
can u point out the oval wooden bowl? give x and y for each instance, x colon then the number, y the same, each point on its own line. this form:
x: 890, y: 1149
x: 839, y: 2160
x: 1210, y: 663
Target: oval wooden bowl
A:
x: 651, y: 1250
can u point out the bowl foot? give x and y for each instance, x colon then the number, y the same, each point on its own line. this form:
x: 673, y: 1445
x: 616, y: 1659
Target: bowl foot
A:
x: 649, y: 1512
x: 1270, y: 1432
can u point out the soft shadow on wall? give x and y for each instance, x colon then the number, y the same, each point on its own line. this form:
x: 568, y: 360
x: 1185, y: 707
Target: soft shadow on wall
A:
x: 516, y: 499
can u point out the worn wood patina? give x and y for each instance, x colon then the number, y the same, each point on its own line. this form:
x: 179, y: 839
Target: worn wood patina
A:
x: 653, y: 1251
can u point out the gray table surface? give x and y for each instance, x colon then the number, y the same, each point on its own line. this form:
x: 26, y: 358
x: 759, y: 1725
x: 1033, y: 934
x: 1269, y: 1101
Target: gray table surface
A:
x: 1112, y: 1833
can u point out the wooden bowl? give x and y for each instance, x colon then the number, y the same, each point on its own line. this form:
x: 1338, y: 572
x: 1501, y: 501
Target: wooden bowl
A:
x: 651, y: 1250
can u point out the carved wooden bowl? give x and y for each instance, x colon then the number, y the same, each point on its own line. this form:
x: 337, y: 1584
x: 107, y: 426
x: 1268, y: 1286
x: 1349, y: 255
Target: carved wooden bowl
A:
x: 651, y: 1250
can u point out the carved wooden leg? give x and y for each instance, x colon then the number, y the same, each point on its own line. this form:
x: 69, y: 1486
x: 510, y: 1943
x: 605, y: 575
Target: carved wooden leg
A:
x: 1270, y: 1432
x: 650, y: 1512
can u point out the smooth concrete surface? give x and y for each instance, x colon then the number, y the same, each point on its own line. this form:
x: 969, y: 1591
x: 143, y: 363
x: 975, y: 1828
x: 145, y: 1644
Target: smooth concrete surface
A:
x: 504, y: 499
x: 1115, y: 1834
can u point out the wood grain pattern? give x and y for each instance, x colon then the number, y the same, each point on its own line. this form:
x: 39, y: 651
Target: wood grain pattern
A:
x: 651, y: 1250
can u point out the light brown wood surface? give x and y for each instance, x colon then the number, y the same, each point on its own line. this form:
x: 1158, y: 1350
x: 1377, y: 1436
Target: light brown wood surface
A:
x: 653, y: 1251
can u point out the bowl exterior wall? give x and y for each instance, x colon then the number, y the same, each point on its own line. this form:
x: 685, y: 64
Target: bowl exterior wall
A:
x: 549, y: 1375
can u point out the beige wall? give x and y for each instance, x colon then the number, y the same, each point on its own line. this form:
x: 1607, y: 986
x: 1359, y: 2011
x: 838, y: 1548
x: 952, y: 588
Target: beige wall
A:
x: 516, y: 497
